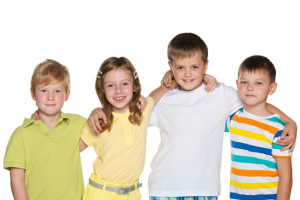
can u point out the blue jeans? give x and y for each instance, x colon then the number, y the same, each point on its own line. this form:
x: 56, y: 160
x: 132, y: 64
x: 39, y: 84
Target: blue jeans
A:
x: 185, y: 198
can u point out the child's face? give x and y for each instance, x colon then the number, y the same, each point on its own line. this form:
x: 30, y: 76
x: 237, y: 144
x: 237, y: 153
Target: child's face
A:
x: 118, y: 88
x: 188, y: 72
x: 254, y: 88
x: 50, y: 98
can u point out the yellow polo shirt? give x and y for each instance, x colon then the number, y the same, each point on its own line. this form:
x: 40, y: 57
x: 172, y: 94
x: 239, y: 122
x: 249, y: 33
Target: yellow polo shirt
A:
x: 51, y: 159
x: 121, y: 152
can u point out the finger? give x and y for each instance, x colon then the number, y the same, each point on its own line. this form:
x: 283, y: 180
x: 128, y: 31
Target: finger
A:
x: 104, y: 118
x: 284, y: 134
x: 97, y: 124
x: 92, y: 126
x: 285, y: 141
x: 208, y: 88
x: 287, y: 147
x: 292, y: 148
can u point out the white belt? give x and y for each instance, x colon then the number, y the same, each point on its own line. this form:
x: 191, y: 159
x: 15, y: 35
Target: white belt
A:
x: 115, y: 189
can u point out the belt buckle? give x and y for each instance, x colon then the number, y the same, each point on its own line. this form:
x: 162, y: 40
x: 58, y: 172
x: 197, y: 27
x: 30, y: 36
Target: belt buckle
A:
x: 123, y: 190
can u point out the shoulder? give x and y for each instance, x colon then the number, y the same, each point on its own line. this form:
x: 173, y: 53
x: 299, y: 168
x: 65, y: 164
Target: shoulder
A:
x: 148, y: 108
x: 275, y: 122
x: 74, y: 117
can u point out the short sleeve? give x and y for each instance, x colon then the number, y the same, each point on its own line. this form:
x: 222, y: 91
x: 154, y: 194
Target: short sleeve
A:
x: 276, y: 148
x: 88, y: 136
x: 234, y: 101
x: 15, y: 155
x: 227, y: 123
x: 153, y: 117
x: 148, y: 109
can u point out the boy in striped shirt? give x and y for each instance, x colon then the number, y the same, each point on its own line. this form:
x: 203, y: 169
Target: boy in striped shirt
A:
x: 259, y: 170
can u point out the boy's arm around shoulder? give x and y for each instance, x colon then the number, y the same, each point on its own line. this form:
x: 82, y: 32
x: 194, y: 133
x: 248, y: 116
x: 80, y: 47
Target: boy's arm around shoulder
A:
x: 284, y: 166
x: 290, y: 129
x: 17, y: 177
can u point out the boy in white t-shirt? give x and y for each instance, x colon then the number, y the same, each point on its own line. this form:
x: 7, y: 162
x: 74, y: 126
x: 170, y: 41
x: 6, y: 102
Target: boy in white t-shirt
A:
x: 191, y: 122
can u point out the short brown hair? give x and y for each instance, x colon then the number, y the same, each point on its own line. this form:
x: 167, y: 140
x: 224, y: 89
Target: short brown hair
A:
x: 258, y: 63
x: 49, y: 71
x: 109, y: 64
x: 186, y: 45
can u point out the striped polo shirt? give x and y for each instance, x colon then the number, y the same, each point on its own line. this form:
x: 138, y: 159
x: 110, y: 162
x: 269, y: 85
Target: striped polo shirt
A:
x: 254, y: 172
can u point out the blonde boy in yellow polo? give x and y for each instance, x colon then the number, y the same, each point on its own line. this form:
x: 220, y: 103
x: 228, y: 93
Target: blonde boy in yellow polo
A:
x: 43, y: 156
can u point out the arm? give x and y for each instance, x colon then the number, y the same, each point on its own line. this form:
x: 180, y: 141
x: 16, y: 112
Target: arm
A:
x: 284, y: 166
x: 211, y: 82
x: 82, y: 145
x: 17, y: 177
x: 290, y: 129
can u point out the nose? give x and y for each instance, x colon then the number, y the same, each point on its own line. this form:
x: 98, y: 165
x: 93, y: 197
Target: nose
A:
x: 118, y: 89
x: 187, y: 73
x: 250, y: 87
x: 50, y: 96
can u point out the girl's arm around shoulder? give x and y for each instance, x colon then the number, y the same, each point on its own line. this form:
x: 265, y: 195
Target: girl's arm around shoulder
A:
x: 159, y: 92
x: 17, y: 178
x: 284, y: 166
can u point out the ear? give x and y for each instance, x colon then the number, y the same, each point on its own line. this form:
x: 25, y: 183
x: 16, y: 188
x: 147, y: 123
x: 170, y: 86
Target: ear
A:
x: 237, y: 83
x: 273, y: 87
x: 32, y: 95
x: 205, y: 66
x: 67, y: 96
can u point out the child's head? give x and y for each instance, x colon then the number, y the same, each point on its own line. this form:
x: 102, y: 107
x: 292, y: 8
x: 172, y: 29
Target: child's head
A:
x: 256, y: 80
x: 48, y: 72
x: 187, y: 54
x: 118, y: 89
x: 50, y: 86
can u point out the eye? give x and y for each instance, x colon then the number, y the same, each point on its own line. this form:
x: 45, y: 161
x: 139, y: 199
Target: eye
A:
x: 179, y: 68
x: 58, y: 91
x: 243, y: 82
x: 109, y: 85
x: 195, y: 67
x: 125, y: 84
x: 43, y: 91
x: 259, y: 83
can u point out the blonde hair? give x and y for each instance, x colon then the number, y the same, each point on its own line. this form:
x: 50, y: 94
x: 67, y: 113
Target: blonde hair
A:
x: 109, y: 64
x: 49, y: 71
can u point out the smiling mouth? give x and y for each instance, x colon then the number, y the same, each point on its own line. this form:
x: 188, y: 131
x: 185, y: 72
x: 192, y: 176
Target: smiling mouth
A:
x: 188, y: 80
x: 119, y: 98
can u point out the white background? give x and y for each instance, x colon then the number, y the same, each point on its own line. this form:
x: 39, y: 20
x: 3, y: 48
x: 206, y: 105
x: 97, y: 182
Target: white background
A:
x: 81, y: 34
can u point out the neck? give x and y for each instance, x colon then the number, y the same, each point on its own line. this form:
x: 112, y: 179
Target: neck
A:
x: 49, y: 120
x: 260, y: 110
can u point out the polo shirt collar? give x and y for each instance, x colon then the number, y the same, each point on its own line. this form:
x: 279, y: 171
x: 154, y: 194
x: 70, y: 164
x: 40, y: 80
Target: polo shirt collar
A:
x: 28, y: 122
x: 118, y: 115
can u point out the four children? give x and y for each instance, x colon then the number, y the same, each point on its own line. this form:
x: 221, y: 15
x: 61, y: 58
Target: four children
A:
x: 191, y: 123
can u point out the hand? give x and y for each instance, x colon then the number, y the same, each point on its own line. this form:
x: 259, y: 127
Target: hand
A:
x: 35, y: 115
x: 211, y: 82
x: 288, y: 137
x: 93, y: 120
x: 168, y: 79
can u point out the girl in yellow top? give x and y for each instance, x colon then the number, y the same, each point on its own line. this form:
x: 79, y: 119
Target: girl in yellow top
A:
x: 121, y: 146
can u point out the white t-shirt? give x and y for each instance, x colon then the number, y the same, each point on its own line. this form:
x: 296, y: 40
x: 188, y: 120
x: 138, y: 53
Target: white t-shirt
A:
x: 191, y: 126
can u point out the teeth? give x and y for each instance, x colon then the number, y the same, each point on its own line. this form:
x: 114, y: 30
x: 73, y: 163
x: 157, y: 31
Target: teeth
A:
x: 119, y: 98
x: 188, y: 80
